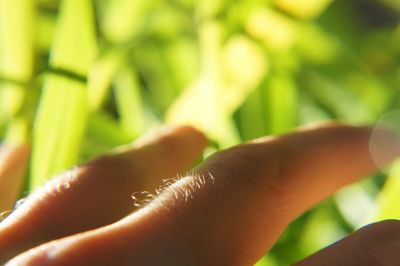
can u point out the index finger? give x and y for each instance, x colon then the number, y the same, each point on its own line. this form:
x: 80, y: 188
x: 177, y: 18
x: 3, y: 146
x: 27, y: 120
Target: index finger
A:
x: 260, y: 187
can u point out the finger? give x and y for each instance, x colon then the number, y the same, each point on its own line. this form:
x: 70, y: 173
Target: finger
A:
x: 375, y: 244
x: 13, y: 160
x: 99, y: 192
x: 235, y: 206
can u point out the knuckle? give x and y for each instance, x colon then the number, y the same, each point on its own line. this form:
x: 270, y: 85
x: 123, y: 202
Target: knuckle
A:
x: 109, y: 168
x: 251, y: 167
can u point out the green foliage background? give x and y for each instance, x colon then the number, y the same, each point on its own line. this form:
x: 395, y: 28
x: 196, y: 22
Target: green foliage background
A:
x: 79, y: 77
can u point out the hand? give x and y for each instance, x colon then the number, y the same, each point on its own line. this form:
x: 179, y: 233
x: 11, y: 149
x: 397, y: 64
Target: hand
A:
x: 228, y: 211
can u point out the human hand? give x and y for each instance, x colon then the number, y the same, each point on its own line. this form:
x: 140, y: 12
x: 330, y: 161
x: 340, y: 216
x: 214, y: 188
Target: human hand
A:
x: 228, y: 211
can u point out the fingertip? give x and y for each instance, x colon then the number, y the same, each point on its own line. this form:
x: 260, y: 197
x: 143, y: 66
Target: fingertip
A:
x: 168, y: 133
x: 176, y: 141
x: 191, y: 134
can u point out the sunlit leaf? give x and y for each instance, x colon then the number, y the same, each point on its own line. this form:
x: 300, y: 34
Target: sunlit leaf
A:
x: 244, y: 67
x: 202, y: 104
x: 310, y: 112
x: 102, y: 134
x: 63, y: 109
x: 12, y: 97
x: 182, y: 61
x: 129, y: 102
x: 125, y: 19
x: 59, y: 128
x: 45, y: 30
x: 252, y: 124
x: 150, y: 64
x: 356, y: 202
x: 306, y: 9
x: 370, y: 91
x: 267, y: 261
x: 210, y: 8
x: 316, y: 45
x: 101, y: 75
x: 16, y: 53
x: 199, y: 106
x: 75, y: 44
x: 389, y: 198
x: 393, y: 3
x: 281, y: 103
x: 339, y: 100
x: 272, y: 28
x: 321, y: 230
x: 18, y: 131
x: 17, y: 39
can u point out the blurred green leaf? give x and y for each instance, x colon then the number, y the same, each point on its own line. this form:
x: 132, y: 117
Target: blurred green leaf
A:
x: 62, y: 114
x: 125, y: 19
x: 316, y: 45
x: 389, y: 198
x: 17, y: 39
x: 129, y: 102
x: 275, y: 30
x: 151, y: 64
x: 306, y: 9
x: 59, y: 128
x: 16, y: 54
x: 281, y: 101
x: 239, y: 81
x: 206, y: 103
x: 356, y: 202
x: 101, y: 75
x: 321, y: 230
x: 267, y: 261
x: 18, y: 131
x: 252, y: 124
x: 338, y: 99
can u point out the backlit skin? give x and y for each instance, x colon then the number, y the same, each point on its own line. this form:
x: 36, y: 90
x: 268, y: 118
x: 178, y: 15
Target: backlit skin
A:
x: 229, y: 210
x: 13, y: 161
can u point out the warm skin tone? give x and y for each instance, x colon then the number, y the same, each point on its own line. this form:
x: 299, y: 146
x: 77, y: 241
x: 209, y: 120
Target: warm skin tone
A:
x: 13, y: 160
x: 229, y: 211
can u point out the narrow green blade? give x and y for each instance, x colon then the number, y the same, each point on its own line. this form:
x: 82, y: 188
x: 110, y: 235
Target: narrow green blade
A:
x: 281, y: 103
x: 129, y: 102
x: 59, y: 128
x: 17, y: 18
x: 101, y: 76
x: 124, y: 19
x: 389, y: 198
x: 61, y: 118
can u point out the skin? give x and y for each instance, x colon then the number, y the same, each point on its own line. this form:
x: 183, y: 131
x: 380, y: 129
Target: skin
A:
x: 228, y: 211
x: 13, y: 160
